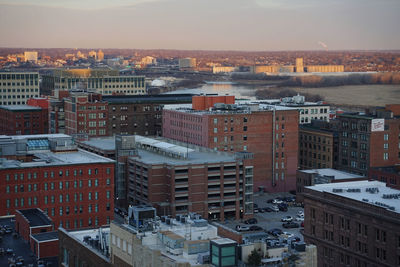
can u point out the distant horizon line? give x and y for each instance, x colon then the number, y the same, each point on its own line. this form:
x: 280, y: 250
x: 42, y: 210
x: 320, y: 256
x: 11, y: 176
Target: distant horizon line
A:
x: 211, y: 50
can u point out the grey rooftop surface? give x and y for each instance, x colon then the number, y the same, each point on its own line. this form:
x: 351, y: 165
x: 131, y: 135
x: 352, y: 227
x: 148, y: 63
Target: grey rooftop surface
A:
x: 46, y: 236
x: 44, y: 159
x: 20, y: 107
x: 338, y: 175
x: 194, y: 157
x: 105, y: 143
x: 35, y: 217
x: 369, y: 192
x: 223, y: 241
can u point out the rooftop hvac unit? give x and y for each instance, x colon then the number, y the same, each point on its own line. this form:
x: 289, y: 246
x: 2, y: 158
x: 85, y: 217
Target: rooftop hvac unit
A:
x: 163, y: 219
x: 337, y: 190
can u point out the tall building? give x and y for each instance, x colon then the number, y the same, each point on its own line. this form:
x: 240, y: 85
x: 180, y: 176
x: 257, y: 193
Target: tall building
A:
x: 353, y: 223
x: 23, y: 119
x: 31, y: 56
x: 268, y: 131
x: 178, y: 178
x: 75, y: 188
x: 299, y: 65
x: 92, y: 54
x: 368, y: 140
x: 17, y: 87
x: 85, y: 114
x: 105, y: 82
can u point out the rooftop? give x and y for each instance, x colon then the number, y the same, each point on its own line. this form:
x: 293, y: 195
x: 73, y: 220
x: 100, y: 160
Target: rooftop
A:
x: 49, y: 159
x: 337, y: 175
x: 224, y: 241
x: 36, y: 217
x: 46, y: 236
x: 103, y: 143
x: 370, y: 192
x: 20, y: 108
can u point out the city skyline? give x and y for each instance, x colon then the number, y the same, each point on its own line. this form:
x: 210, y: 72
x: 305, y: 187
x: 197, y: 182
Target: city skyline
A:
x: 200, y: 25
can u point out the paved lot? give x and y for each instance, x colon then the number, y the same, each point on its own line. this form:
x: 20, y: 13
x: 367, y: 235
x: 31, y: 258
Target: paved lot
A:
x: 269, y: 220
x: 20, y: 248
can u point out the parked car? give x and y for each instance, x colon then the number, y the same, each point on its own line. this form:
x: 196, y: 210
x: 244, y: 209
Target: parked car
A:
x: 270, y: 200
x: 260, y: 210
x: 255, y: 210
x: 255, y: 205
x: 300, y: 213
x: 255, y: 228
x: 290, y: 225
x: 299, y: 219
x: 287, y: 234
x: 275, y: 232
x: 251, y: 221
x: 267, y: 209
x: 242, y: 228
x: 287, y: 219
x: 277, y: 201
x: 302, y: 224
x: 275, y: 208
x: 282, y: 208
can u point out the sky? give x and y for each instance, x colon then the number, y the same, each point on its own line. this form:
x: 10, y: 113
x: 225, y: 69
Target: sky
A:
x: 251, y: 25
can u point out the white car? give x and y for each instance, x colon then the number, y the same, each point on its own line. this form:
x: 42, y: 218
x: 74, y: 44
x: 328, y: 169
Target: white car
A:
x: 241, y: 228
x: 299, y: 219
x: 287, y: 219
x: 300, y: 213
x: 277, y: 201
x: 287, y: 234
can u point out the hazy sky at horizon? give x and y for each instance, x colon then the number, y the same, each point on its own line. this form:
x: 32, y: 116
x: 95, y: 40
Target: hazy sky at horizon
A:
x: 201, y: 24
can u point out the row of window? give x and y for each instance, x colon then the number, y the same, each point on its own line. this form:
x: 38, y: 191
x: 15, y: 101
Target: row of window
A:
x: 60, y: 173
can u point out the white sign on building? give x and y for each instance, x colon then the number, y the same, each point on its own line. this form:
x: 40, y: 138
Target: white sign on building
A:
x: 377, y: 125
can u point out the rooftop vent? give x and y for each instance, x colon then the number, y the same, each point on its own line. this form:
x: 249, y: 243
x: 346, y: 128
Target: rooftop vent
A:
x: 372, y: 190
x: 337, y: 190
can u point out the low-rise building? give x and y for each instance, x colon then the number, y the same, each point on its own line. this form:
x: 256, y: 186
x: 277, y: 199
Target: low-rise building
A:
x: 389, y: 175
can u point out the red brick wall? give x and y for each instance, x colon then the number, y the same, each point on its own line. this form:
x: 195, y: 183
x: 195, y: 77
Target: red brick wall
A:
x: 23, y: 122
x: 229, y: 233
x: 206, y: 102
x: 40, y: 192
x: 22, y: 226
x: 45, y: 249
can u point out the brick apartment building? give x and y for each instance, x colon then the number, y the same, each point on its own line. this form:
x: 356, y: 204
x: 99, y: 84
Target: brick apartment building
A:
x: 269, y: 132
x: 368, y: 140
x: 23, y: 119
x: 316, y: 147
x: 180, y: 178
x: 86, y: 114
x: 74, y: 188
x: 125, y: 114
x: 353, y: 223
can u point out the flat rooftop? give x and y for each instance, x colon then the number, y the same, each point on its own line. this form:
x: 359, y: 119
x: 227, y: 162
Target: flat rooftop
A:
x: 20, y: 108
x: 370, y: 192
x: 172, y: 98
x: 337, y: 175
x: 105, y: 143
x: 36, y: 217
x: 224, y: 241
x: 46, y: 236
x: 241, y: 108
x: 48, y: 159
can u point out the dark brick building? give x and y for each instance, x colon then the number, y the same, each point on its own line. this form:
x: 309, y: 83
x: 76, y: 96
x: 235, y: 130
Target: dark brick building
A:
x: 269, y: 132
x: 315, y: 147
x: 353, y: 223
x: 23, y: 119
x: 368, y: 140
x: 139, y: 114
x: 74, y: 188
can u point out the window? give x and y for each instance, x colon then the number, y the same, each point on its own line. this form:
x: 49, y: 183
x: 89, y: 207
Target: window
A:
x: 215, y: 130
x: 108, y: 194
x: 385, y: 156
x: 386, y: 137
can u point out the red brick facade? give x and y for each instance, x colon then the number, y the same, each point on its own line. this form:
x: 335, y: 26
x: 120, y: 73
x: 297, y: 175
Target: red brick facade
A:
x: 86, y: 114
x: 74, y: 196
x: 23, y: 121
x: 271, y: 136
